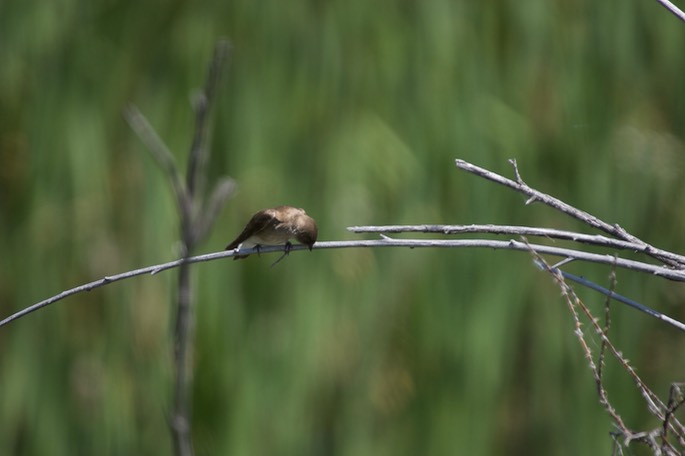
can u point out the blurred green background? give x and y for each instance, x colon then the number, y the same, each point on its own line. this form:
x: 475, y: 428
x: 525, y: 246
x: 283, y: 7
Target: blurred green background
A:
x: 354, y: 110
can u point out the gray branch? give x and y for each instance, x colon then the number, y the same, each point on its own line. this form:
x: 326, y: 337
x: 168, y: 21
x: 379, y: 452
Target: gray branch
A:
x: 535, y: 195
x: 673, y: 9
x: 161, y: 153
x: 638, y: 266
x: 197, y: 160
x: 590, y: 239
x: 194, y: 224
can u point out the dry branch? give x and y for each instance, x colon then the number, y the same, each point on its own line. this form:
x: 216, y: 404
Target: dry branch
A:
x: 590, y: 239
x: 654, y: 404
x: 673, y: 9
x: 536, y: 195
x: 385, y: 242
x: 196, y: 218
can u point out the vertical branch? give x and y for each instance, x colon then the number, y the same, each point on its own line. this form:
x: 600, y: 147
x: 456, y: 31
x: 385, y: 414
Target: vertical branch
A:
x: 607, y: 324
x: 197, y: 159
x: 676, y: 398
x: 184, y: 335
x: 194, y: 224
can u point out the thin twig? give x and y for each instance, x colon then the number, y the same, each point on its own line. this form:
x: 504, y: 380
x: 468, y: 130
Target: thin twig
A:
x: 573, y: 301
x: 522, y: 187
x: 607, y: 319
x: 676, y: 398
x: 610, y: 294
x: 590, y: 239
x: 223, y: 190
x: 653, y: 402
x: 673, y: 9
x: 197, y: 159
x: 161, y: 153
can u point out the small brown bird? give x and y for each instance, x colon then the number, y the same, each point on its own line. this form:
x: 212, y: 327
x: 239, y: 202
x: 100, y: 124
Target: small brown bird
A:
x: 276, y: 226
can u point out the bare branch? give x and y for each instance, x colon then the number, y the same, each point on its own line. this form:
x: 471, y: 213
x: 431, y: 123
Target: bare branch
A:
x: 522, y: 187
x: 660, y: 271
x: 573, y: 301
x: 197, y: 159
x: 583, y: 216
x: 676, y: 398
x: 654, y: 404
x: 155, y: 145
x: 673, y: 9
x: 386, y: 242
x: 223, y: 190
x: 590, y: 239
x: 184, y: 335
x: 160, y: 152
x: 607, y: 320
x: 193, y: 225
x: 611, y: 294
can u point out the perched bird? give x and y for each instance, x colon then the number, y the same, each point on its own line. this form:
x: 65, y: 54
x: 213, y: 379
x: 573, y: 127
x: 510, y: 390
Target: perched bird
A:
x: 276, y: 226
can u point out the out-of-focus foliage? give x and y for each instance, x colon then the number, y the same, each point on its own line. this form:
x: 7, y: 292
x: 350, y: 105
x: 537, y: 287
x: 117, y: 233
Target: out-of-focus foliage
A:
x: 354, y: 110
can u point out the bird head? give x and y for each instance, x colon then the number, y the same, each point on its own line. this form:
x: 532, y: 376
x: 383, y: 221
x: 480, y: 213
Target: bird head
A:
x: 306, y: 231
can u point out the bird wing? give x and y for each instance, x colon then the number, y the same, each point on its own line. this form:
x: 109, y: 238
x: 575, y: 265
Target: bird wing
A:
x: 257, y: 223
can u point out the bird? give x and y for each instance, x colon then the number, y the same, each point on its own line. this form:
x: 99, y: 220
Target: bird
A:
x: 276, y: 226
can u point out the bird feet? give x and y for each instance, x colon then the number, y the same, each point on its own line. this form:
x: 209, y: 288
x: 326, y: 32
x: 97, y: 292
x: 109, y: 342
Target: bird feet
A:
x: 286, y: 252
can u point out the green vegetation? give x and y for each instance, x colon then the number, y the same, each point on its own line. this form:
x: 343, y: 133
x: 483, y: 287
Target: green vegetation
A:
x: 354, y: 110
